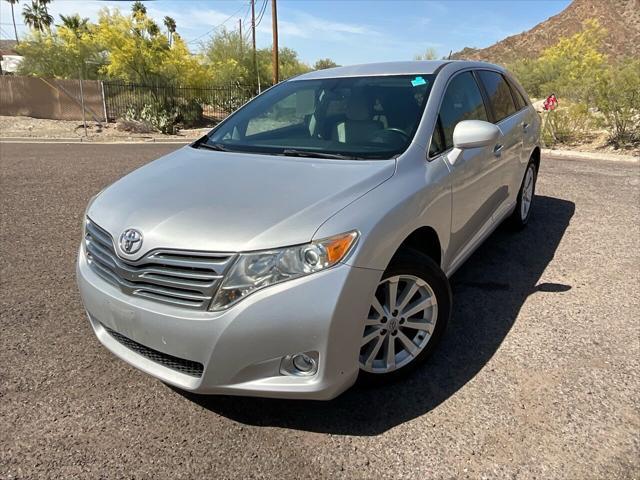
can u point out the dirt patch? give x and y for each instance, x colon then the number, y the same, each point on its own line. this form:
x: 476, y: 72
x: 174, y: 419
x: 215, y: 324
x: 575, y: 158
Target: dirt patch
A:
x: 28, y: 127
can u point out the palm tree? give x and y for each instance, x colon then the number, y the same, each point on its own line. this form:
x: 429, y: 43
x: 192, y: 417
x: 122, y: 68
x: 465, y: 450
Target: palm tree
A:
x: 75, y: 23
x: 36, y: 16
x: 138, y: 8
x: 13, y: 16
x: 152, y: 28
x: 170, y: 23
x: 45, y: 13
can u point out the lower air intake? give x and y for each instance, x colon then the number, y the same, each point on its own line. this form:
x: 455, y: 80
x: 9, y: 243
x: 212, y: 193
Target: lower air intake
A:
x: 181, y: 365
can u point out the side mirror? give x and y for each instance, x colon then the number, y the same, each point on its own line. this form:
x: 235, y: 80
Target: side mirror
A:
x: 475, y: 133
x: 472, y: 134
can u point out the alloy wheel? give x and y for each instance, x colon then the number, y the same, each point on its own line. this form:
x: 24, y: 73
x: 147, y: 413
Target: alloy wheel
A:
x: 527, y: 193
x: 401, y: 321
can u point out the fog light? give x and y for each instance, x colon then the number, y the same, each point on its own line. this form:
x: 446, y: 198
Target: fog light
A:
x: 304, y: 363
x: 300, y: 364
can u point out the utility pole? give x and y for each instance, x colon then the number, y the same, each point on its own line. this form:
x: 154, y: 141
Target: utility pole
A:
x: 253, y: 37
x: 241, y: 39
x: 84, y: 118
x: 274, y: 26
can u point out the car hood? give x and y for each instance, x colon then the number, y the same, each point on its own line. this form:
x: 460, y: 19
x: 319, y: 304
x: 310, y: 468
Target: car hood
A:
x: 196, y: 199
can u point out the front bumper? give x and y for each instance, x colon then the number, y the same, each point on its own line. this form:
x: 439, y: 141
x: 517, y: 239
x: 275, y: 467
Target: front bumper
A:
x: 241, y: 349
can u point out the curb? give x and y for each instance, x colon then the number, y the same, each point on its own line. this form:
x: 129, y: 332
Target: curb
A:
x: 133, y: 141
x: 574, y: 154
x: 578, y: 155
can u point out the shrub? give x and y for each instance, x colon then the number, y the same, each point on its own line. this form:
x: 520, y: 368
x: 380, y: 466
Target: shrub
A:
x: 166, y: 115
x: 155, y: 114
x: 566, y: 125
x: 189, y: 112
x: 618, y: 99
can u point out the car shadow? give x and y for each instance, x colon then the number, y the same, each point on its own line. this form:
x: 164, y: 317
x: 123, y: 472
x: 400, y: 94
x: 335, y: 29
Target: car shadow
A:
x: 489, y: 291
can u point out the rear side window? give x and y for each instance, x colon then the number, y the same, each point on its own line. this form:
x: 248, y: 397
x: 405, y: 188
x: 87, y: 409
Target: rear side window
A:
x: 499, y: 94
x: 462, y: 101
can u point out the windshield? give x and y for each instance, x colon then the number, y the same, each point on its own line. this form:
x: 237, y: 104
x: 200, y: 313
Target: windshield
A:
x: 358, y: 117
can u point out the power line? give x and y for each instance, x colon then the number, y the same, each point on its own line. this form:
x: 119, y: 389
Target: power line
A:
x: 217, y: 26
x: 246, y: 14
x: 4, y: 33
x: 261, y: 13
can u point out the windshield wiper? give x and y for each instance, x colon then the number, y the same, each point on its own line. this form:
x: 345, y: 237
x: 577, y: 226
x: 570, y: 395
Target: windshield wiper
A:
x: 202, y: 143
x: 292, y: 152
x: 214, y: 146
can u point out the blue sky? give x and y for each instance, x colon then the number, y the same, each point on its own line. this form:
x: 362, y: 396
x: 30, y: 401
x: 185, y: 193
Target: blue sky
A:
x: 348, y: 31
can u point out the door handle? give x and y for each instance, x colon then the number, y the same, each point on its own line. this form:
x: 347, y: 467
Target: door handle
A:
x: 497, y: 150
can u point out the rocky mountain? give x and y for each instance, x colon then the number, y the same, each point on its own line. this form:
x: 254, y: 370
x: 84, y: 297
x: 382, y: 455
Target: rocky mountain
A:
x: 621, y: 19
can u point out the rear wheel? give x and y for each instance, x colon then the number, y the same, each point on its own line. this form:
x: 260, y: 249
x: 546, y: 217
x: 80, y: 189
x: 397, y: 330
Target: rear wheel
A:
x: 408, y: 314
x: 520, y: 216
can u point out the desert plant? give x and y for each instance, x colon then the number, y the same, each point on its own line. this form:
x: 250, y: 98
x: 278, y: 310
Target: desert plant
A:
x: 566, y: 125
x: 189, y: 112
x: 618, y: 99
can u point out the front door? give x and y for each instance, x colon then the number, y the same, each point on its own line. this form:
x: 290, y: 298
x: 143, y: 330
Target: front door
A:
x: 474, y: 173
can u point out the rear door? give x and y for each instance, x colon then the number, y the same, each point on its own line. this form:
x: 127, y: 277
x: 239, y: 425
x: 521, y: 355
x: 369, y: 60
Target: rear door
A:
x: 529, y: 121
x: 505, y: 115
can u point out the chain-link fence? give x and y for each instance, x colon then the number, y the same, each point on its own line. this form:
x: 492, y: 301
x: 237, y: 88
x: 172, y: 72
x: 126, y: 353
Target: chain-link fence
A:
x: 216, y: 102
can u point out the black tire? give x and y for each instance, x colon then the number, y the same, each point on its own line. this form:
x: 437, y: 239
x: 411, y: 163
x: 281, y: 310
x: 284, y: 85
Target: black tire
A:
x: 412, y: 262
x: 517, y: 221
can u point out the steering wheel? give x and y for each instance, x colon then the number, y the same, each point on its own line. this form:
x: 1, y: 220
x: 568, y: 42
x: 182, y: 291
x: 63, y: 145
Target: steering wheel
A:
x: 389, y: 135
x: 397, y: 130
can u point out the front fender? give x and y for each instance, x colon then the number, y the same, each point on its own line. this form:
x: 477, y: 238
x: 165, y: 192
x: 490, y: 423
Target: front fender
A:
x: 416, y: 196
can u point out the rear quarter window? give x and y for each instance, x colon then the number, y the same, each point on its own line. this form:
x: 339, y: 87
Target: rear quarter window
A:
x: 521, y: 102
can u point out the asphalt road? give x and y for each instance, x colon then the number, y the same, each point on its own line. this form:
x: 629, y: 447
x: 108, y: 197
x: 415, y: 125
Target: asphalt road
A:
x: 537, y: 376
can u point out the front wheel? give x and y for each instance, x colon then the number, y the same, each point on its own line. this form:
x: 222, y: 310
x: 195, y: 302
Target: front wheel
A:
x: 520, y: 216
x: 408, y: 313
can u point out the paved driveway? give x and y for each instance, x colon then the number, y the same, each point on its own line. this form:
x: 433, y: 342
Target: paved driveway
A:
x: 536, y: 377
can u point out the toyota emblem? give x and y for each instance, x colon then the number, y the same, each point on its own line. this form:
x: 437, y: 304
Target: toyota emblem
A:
x: 130, y: 240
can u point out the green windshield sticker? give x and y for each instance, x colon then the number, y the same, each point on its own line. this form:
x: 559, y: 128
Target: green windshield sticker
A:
x: 418, y: 81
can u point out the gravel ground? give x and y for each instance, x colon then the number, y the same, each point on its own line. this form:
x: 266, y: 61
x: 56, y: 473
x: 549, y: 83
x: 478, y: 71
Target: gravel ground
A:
x: 537, y: 376
x: 42, y: 129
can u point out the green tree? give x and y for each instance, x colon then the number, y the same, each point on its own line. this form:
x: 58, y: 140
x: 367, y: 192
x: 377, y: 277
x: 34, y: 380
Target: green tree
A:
x: 228, y: 57
x: 62, y: 54
x: 324, y: 63
x: 13, y: 17
x: 36, y: 16
x: 572, y: 68
x: 138, y: 52
x: 290, y: 64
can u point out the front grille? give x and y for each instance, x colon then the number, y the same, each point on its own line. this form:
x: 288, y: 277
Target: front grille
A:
x: 181, y: 365
x: 185, y: 279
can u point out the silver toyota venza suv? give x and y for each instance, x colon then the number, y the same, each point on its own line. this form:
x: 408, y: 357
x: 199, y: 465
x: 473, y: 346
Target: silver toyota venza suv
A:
x: 309, y: 237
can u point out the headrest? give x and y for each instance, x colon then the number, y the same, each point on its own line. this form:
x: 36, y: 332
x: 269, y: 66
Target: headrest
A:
x: 358, y: 108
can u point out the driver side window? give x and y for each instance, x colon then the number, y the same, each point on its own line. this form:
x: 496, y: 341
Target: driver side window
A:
x: 462, y: 101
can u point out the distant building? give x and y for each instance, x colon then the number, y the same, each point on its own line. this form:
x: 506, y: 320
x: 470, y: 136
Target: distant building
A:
x: 9, y: 58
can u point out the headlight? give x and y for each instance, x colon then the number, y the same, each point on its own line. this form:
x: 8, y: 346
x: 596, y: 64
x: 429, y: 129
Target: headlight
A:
x: 257, y: 270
